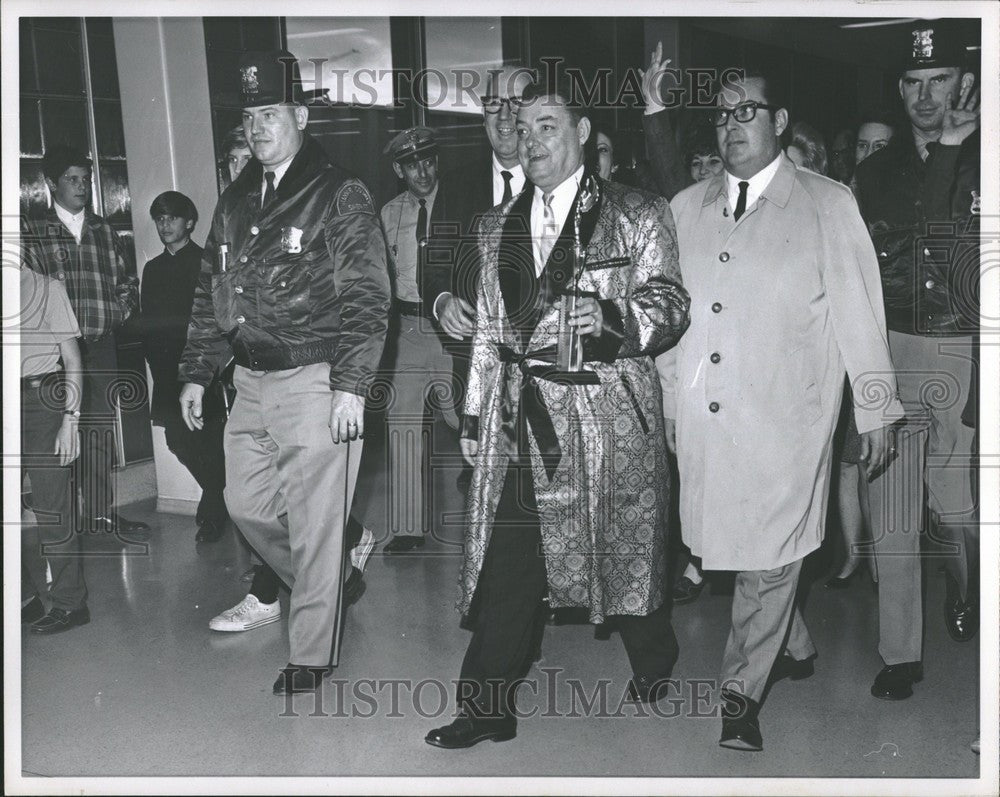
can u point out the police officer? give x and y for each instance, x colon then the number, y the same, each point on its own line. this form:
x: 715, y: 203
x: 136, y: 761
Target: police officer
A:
x: 415, y: 361
x: 294, y: 285
x: 919, y: 197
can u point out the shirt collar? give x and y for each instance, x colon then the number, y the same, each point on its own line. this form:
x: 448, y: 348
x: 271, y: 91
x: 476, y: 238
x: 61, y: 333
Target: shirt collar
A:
x: 279, y: 172
x: 428, y: 200
x: 516, y: 171
x: 66, y: 217
x: 565, y: 191
x: 757, y: 183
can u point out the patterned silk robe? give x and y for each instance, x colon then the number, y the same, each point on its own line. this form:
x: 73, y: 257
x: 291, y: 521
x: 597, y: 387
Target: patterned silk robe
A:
x: 602, y: 501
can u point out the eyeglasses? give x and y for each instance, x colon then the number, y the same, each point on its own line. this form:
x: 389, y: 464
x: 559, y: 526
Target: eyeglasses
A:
x: 494, y: 104
x: 744, y: 112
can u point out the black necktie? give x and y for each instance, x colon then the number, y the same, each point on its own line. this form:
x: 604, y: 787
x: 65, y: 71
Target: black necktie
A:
x: 422, y: 222
x: 929, y: 147
x: 268, y: 191
x: 741, y: 200
x: 507, y: 193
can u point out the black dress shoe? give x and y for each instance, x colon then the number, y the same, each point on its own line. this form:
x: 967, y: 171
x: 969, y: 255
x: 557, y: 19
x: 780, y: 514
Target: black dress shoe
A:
x: 792, y: 669
x: 961, y: 618
x: 686, y: 591
x: 354, y: 587
x: 644, y: 689
x: 895, y: 681
x: 740, y: 725
x: 295, y: 679
x: 59, y: 620
x: 467, y: 731
x: 210, y: 531
x: 404, y: 543
x: 31, y: 611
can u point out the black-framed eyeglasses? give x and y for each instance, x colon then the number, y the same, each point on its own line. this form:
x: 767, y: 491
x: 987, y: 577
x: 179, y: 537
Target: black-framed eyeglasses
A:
x: 744, y: 112
x: 494, y: 104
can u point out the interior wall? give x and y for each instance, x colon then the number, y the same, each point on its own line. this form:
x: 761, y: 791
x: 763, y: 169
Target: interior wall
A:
x: 167, y: 117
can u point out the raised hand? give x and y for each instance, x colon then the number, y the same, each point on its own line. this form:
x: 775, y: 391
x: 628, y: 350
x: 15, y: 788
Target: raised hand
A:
x: 652, y: 78
x: 961, y: 118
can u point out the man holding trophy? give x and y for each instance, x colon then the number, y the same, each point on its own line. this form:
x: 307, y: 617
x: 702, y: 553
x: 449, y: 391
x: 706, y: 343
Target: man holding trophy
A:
x: 563, y: 424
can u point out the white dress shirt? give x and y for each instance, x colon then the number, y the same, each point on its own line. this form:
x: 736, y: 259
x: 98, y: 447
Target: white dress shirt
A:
x: 279, y: 172
x: 73, y: 221
x: 516, y: 180
x: 758, y: 183
x: 562, y: 200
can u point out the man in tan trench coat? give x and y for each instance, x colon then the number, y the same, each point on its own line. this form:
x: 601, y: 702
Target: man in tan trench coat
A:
x: 568, y: 495
x: 785, y: 293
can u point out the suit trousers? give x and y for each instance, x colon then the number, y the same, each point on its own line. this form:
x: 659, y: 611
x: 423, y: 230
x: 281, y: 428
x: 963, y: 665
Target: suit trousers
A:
x: 766, y: 620
x: 201, y: 452
x: 934, y: 466
x: 398, y: 480
x: 508, y: 608
x: 52, y: 537
x: 94, y: 469
x: 289, y: 489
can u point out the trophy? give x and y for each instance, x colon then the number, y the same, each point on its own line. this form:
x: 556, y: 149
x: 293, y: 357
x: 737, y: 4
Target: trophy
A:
x: 569, y: 346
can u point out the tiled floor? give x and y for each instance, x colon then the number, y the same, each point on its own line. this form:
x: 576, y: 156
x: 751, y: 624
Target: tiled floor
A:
x: 147, y: 689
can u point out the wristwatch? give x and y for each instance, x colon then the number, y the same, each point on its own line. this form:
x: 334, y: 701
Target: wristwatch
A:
x: 72, y: 413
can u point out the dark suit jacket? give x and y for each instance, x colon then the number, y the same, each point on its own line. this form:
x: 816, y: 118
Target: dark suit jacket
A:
x: 451, y: 263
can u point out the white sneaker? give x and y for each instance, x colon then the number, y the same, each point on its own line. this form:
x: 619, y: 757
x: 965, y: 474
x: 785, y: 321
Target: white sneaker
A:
x: 364, y: 548
x: 247, y: 614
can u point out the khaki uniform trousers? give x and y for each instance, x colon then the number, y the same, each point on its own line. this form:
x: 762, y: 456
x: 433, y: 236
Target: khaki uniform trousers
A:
x: 289, y: 489
x: 933, y: 466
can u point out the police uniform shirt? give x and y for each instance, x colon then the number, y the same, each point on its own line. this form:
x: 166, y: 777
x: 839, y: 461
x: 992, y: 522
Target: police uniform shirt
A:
x: 399, y: 219
x: 47, y: 320
x: 279, y: 172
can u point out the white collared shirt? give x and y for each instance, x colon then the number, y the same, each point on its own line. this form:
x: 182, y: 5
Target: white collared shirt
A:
x: 279, y: 172
x: 73, y: 221
x: 516, y: 180
x: 562, y: 200
x: 758, y: 183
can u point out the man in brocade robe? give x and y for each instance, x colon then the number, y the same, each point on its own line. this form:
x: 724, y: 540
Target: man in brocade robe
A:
x: 568, y: 494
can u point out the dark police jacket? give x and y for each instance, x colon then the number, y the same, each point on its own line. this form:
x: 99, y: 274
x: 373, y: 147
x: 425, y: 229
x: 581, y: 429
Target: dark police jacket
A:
x: 923, y: 219
x: 305, y: 281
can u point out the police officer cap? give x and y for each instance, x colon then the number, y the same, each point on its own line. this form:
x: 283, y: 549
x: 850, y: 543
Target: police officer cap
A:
x: 269, y: 77
x: 932, y: 45
x: 412, y: 145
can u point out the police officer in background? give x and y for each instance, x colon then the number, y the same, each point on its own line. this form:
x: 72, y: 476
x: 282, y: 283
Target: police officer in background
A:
x: 919, y: 196
x: 294, y: 285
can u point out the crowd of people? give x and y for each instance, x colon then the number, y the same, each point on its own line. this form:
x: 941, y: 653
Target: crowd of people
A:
x: 732, y: 305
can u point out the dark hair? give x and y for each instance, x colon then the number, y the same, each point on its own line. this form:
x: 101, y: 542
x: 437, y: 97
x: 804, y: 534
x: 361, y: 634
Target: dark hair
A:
x: 773, y: 90
x: 701, y: 143
x: 877, y: 116
x: 560, y: 89
x: 173, y: 203
x: 807, y: 138
x: 60, y: 158
x: 235, y: 139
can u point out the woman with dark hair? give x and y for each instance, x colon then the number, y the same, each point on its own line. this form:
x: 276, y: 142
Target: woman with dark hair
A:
x: 807, y: 150
x: 235, y: 155
x: 702, y: 157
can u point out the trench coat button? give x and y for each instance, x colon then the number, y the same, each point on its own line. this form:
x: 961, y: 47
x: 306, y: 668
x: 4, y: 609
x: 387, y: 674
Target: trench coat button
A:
x: 716, y: 357
x: 238, y: 289
x: 929, y: 285
x: 254, y: 230
x: 243, y: 258
x: 240, y: 319
x: 283, y: 283
x: 927, y: 252
x: 724, y: 257
x: 713, y: 407
x: 716, y: 308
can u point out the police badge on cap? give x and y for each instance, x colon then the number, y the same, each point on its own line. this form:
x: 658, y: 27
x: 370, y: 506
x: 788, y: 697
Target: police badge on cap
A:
x: 412, y: 145
x: 933, y: 45
x: 269, y: 77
